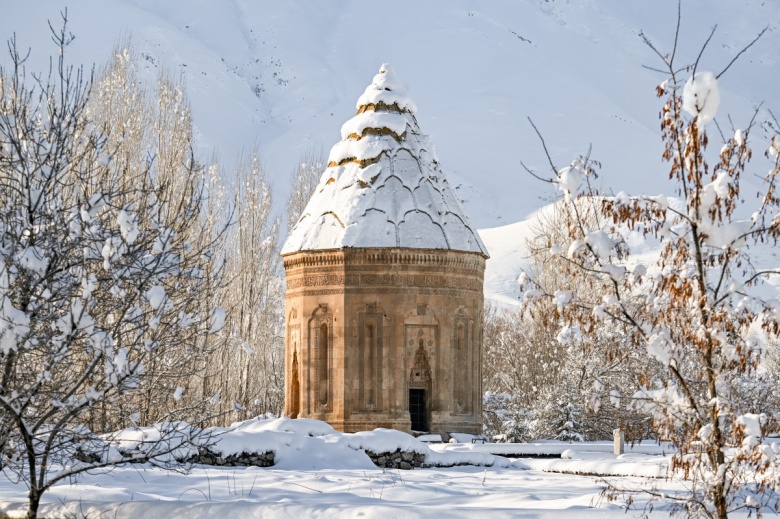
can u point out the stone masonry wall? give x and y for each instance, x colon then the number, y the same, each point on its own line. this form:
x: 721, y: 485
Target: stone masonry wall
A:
x: 397, y: 460
x: 245, y: 459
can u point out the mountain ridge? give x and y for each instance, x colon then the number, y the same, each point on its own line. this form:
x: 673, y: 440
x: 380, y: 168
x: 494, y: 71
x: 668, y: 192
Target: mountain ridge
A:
x: 282, y: 77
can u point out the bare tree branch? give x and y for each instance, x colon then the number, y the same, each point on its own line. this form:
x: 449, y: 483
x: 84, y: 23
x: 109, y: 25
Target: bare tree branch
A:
x: 741, y: 52
x: 544, y: 146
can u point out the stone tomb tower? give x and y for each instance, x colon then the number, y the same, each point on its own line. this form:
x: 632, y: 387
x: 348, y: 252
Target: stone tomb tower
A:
x: 384, y: 283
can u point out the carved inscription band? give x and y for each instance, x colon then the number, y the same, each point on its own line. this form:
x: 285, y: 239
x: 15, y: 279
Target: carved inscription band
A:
x: 415, y: 280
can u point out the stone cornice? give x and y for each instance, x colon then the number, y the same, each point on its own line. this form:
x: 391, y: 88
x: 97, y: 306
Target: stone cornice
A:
x: 396, y: 256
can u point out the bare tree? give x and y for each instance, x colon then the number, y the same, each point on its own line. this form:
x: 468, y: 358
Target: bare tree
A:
x: 99, y: 279
x: 148, y: 132
x: 241, y: 369
x: 248, y: 363
x: 303, y: 181
x: 696, y: 308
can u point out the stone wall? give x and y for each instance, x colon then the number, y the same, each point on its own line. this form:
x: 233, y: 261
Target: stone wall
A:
x: 245, y: 459
x: 203, y: 457
x: 397, y: 460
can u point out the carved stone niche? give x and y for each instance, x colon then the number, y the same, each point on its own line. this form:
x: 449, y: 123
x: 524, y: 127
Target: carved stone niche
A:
x: 421, y: 352
x: 462, y: 364
x: 321, y: 355
x: 420, y: 392
x: 370, y: 357
x: 293, y: 363
x: 294, y: 371
x: 420, y: 374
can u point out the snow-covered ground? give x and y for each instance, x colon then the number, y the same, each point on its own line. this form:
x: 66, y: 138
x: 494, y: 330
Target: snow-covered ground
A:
x: 323, y: 473
x: 206, y: 492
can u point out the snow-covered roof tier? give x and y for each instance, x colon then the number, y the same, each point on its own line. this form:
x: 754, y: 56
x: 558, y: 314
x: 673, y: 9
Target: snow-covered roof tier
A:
x: 383, y: 187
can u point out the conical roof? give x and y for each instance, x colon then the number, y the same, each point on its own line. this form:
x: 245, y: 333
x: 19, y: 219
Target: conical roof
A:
x: 383, y: 187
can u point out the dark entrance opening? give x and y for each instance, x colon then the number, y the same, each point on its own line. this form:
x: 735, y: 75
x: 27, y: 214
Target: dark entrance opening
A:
x: 417, y: 410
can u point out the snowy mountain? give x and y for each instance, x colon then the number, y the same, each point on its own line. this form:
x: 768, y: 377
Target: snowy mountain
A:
x: 283, y: 76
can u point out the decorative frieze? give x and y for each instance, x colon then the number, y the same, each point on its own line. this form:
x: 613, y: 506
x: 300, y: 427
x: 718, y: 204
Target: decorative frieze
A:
x: 411, y: 257
x: 395, y: 280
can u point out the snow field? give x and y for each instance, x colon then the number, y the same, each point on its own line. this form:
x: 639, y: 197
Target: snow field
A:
x: 323, y: 473
x: 205, y: 492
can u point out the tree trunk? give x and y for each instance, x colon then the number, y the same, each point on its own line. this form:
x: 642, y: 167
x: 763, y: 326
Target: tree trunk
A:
x: 721, y: 506
x: 34, y: 502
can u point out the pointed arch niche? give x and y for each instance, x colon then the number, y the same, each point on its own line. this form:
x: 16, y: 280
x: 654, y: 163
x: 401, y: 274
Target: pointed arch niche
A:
x: 420, y: 384
x: 293, y: 370
x: 321, y: 358
x: 461, y: 375
x: 295, y: 388
x: 421, y: 339
x: 370, y: 351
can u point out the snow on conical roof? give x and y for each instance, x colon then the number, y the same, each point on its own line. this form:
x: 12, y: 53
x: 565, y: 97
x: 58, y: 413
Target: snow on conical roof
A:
x: 383, y: 187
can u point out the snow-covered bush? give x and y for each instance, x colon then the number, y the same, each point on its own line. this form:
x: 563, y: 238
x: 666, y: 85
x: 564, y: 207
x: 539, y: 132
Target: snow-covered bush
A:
x: 504, y: 418
x: 557, y: 417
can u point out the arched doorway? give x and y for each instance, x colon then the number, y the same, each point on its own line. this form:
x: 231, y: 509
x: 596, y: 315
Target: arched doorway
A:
x: 420, y: 390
